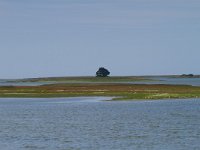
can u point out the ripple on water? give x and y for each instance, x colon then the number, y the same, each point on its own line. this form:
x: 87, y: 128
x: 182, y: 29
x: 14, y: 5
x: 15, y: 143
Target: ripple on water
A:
x: 80, y: 124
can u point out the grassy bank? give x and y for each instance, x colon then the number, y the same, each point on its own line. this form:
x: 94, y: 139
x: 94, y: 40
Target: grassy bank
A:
x: 121, y: 91
x: 86, y: 79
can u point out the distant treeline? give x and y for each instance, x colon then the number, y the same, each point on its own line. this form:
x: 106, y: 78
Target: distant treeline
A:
x: 187, y: 75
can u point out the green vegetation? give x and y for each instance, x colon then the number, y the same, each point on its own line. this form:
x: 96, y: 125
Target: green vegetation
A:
x: 102, y: 72
x: 86, y: 79
x: 117, y: 90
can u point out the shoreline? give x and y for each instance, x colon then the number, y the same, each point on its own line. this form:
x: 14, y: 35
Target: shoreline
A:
x: 116, y: 90
x: 93, y: 99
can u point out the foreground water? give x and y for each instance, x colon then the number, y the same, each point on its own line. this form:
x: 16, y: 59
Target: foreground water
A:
x: 88, y: 123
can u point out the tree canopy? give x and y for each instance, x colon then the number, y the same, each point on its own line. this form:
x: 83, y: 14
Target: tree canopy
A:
x: 102, y: 72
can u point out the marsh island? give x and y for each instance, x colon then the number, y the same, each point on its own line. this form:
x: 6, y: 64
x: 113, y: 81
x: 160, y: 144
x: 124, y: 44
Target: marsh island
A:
x: 122, y: 88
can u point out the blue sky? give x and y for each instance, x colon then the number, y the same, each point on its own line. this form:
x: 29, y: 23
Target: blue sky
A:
x: 74, y: 37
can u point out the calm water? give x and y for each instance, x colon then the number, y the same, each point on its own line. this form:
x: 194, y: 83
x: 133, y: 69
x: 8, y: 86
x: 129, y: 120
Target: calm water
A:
x: 168, y: 80
x: 88, y: 123
x: 160, y: 80
x: 13, y: 83
x: 186, y: 81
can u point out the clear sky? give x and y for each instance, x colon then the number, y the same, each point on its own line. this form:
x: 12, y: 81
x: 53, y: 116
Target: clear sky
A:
x: 75, y: 37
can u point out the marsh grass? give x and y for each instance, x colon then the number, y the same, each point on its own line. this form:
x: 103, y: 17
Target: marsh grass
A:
x: 86, y: 79
x: 119, y: 91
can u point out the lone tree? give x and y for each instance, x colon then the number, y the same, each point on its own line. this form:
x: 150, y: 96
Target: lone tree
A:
x: 102, y: 72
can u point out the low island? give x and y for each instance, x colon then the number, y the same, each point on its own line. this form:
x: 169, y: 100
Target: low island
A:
x: 121, y: 88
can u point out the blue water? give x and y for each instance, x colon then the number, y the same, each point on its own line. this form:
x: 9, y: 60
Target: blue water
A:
x: 178, y: 81
x: 14, y: 83
x: 169, y: 80
x: 89, y: 123
x: 156, y: 80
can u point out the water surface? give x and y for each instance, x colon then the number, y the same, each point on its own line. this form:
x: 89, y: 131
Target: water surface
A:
x: 175, y: 81
x: 155, y: 80
x: 89, y: 123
